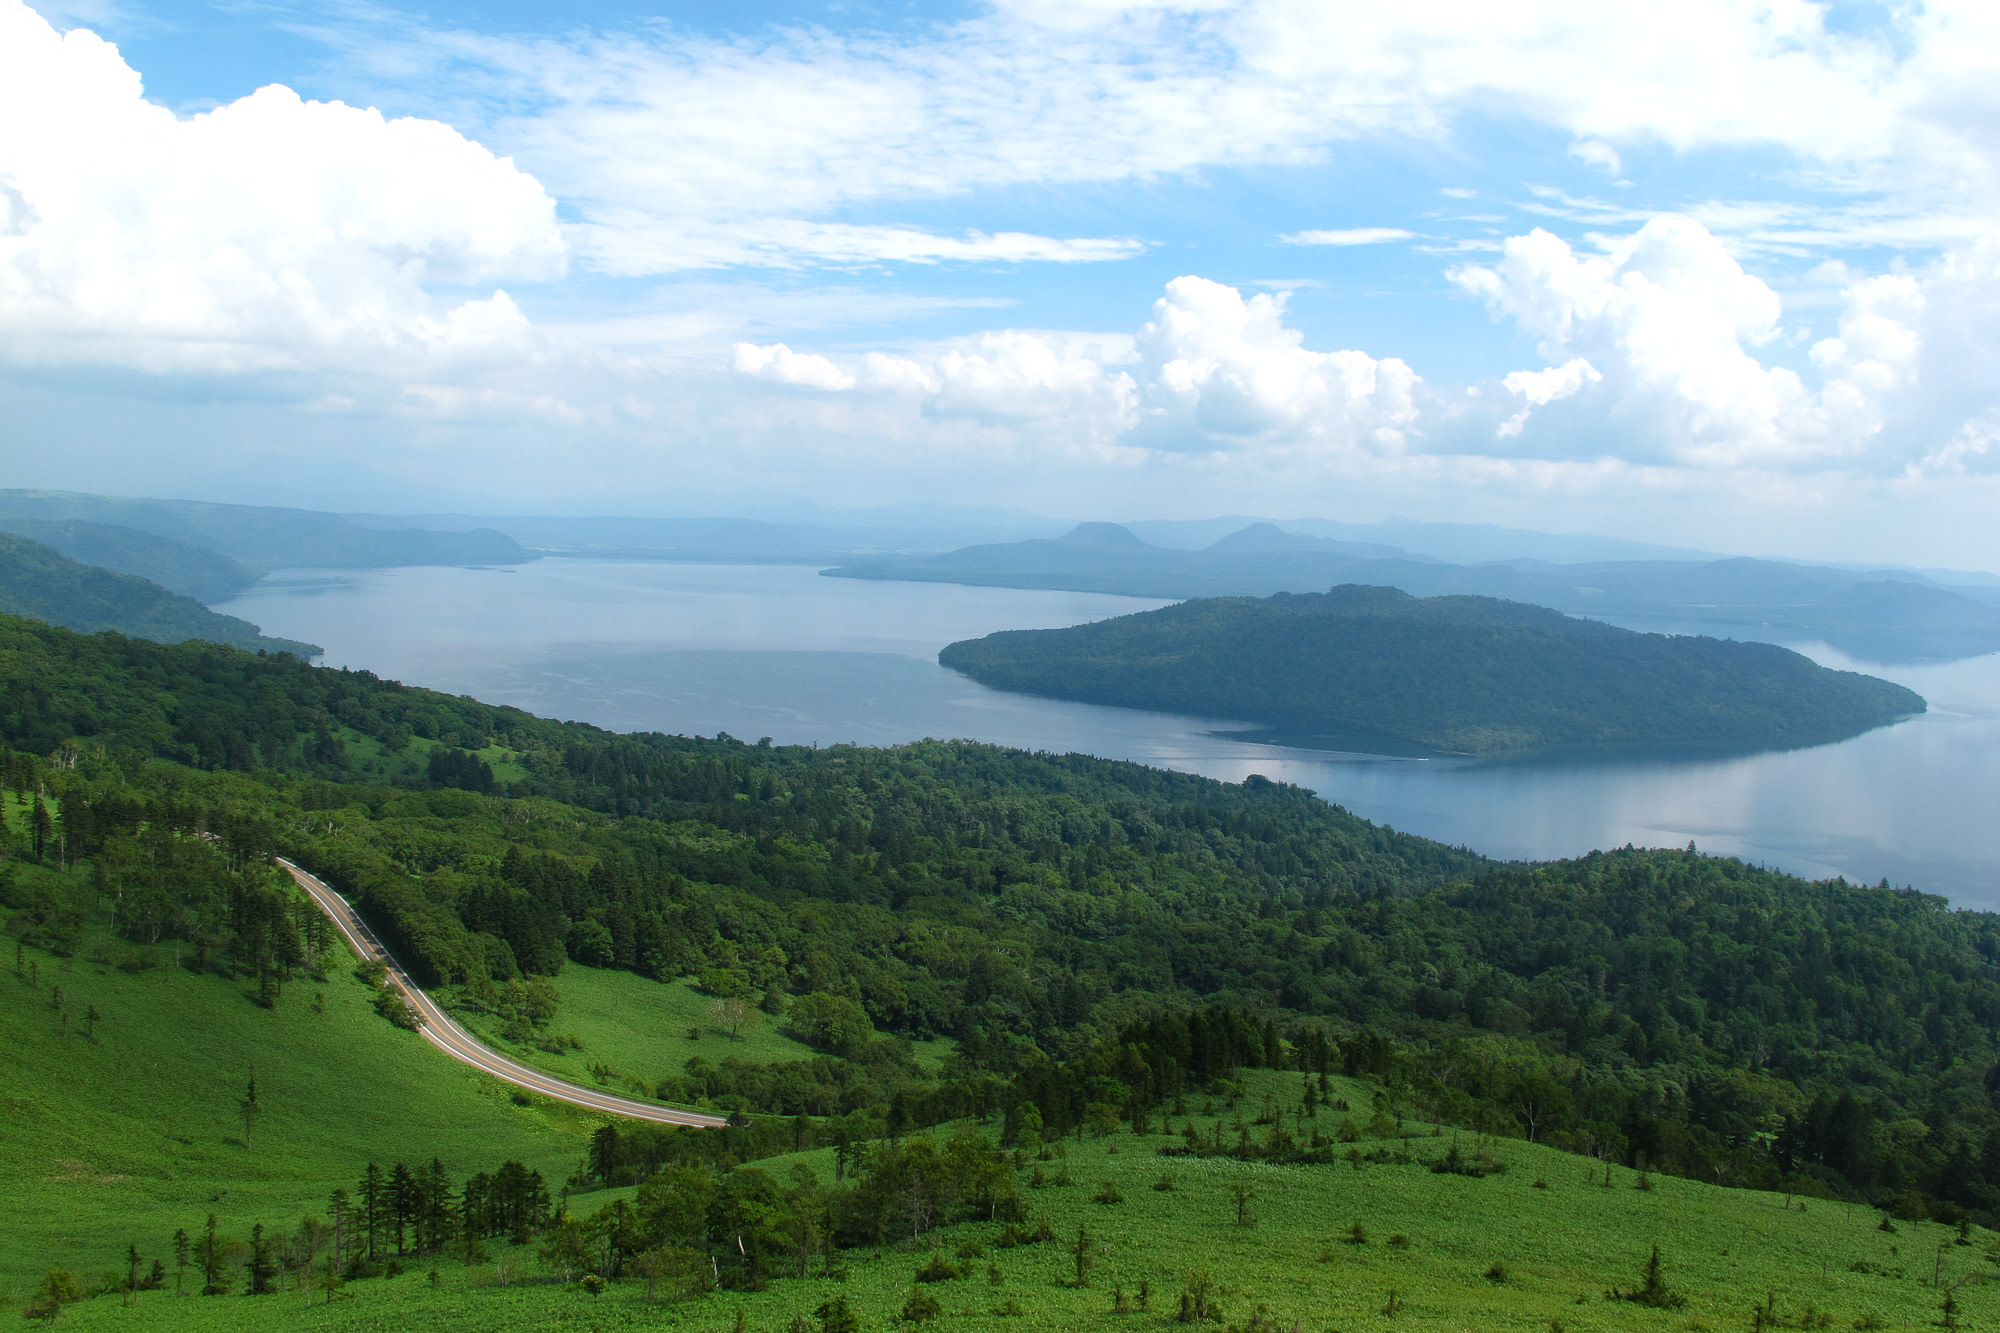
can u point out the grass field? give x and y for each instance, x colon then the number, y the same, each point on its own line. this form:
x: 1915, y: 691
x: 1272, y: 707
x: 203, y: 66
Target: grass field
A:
x: 639, y: 1028
x: 1559, y: 1247
x: 125, y: 1134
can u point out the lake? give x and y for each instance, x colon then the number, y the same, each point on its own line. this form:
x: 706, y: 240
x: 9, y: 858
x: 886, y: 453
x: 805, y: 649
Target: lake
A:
x: 779, y: 651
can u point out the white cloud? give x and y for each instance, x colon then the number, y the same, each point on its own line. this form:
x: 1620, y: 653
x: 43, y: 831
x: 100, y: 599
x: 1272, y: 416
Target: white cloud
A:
x: 1668, y: 317
x: 1221, y: 368
x: 685, y: 151
x: 269, y: 233
x: 1542, y: 387
x: 1213, y: 371
x: 781, y: 365
x: 1349, y: 236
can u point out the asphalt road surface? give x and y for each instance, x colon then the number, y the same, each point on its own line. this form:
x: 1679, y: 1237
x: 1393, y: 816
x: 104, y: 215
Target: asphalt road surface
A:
x: 443, y: 1032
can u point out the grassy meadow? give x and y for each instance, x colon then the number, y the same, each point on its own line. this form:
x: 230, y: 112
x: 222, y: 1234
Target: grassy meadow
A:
x: 1537, y: 1247
x: 124, y: 1129
x: 630, y: 1027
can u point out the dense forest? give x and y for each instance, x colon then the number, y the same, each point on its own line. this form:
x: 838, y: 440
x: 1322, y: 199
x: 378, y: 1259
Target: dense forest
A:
x: 1097, y: 938
x: 37, y: 581
x: 1469, y: 675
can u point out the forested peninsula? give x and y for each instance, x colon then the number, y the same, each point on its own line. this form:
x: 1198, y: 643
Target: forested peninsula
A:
x: 1456, y: 674
x: 40, y: 582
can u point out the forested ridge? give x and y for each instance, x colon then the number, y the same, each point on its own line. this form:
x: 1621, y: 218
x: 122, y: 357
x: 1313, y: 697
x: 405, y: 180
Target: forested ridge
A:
x: 1457, y: 674
x: 1048, y: 913
x: 37, y: 581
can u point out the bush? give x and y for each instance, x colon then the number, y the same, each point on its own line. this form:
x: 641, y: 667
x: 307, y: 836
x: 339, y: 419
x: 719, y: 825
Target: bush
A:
x: 921, y: 1306
x: 939, y: 1269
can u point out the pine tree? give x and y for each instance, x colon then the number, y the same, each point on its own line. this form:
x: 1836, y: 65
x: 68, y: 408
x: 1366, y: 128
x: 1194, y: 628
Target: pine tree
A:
x: 131, y: 1272
x: 1084, y: 1251
x: 250, y: 1108
x: 260, y: 1262
x: 213, y: 1252
x: 39, y: 828
x: 340, y: 1212
x: 180, y: 1260
x: 374, y: 1198
x: 90, y: 1021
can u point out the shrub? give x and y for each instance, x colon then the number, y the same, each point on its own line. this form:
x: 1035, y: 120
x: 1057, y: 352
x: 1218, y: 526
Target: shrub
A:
x: 937, y: 1270
x: 921, y: 1306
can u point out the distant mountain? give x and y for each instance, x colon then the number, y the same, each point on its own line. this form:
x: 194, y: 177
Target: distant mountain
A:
x: 1879, y: 616
x: 263, y: 539
x: 1470, y: 675
x: 718, y: 540
x: 45, y: 585
x: 192, y: 571
x: 1458, y: 543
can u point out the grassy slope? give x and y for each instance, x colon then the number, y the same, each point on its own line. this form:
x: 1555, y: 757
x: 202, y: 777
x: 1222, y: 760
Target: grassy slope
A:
x: 126, y: 1138
x: 639, y: 1028
x: 1562, y: 1247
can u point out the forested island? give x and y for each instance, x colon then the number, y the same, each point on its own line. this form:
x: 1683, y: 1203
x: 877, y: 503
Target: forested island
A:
x: 1454, y: 674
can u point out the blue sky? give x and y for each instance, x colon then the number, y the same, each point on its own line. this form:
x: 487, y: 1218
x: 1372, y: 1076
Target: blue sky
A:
x: 1714, y: 274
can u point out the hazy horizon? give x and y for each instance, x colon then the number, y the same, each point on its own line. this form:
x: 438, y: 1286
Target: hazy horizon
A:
x: 1728, y: 280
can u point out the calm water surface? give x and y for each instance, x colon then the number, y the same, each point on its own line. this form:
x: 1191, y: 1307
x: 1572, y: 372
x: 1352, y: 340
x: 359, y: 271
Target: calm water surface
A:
x: 779, y: 651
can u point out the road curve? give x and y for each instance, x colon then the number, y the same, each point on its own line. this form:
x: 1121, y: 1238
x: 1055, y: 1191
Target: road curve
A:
x: 444, y: 1032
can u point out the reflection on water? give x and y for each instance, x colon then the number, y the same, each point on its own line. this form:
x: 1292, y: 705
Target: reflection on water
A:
x: 778, y: 651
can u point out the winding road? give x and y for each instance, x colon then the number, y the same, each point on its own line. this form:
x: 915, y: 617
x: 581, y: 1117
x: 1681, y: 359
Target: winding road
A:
x: 444, y: 1032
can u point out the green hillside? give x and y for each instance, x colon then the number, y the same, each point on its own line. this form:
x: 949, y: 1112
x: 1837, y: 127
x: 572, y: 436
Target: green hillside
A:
x: 1468, y: 675
x: 122, y: 1130
x: 179, y: 567
x: 977, y: 984
x: 1543, y: 1244
x: 37, y: 582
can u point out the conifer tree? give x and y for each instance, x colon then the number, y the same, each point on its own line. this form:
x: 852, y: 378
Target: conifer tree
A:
x: 213, y: 1252
x: 250, y: 1108
x: 373, y: 1199
x: 180, y: 1260
x: 260, y: 1262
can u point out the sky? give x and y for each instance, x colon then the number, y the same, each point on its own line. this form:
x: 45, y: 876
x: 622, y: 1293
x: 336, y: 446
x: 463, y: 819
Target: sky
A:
x: 1707, y: 273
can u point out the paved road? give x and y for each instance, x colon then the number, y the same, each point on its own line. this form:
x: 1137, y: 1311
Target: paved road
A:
x: 444, y: 1033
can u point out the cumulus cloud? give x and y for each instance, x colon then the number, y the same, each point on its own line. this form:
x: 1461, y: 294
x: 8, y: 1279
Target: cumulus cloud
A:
x: 271, y: 233
x: 1210, y: 370
x: 1220, y: 368
x: 1541, y: 387
x: 1668, y: 317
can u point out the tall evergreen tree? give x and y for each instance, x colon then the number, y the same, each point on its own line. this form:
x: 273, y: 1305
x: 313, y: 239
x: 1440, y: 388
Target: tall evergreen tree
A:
x: 250, y: 1108
x: 180, y: 1260
x: 214, y: 1252
x: 260, y: 1262
x: 374, y: 1210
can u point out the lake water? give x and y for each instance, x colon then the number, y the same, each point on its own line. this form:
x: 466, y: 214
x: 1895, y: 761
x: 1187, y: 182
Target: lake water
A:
x: 780, y: 651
